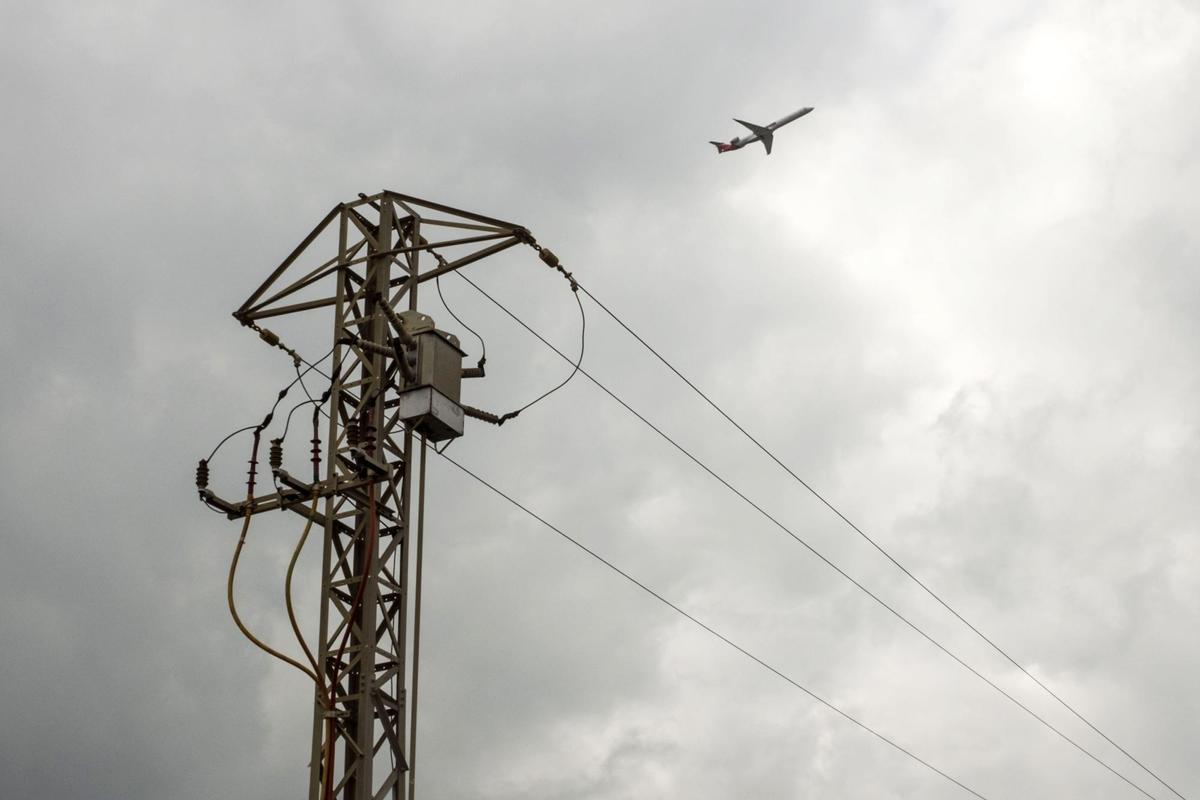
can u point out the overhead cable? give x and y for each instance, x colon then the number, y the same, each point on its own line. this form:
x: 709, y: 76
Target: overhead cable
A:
x: 713, y: 632
x: 278, y: 399
x: 551, y: 261
x: 946, y: 605
x: 880, y: 601
x: 437, y: 282
x: 576, y: 365
x: 288, y: 420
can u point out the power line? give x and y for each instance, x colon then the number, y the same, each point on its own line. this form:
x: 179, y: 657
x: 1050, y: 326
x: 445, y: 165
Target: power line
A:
x: 278, y: 399
x: 577, y: 364
x: 716, y: 633
x: 437, y: 282
x: 917, y: 629
x: 873, y: 543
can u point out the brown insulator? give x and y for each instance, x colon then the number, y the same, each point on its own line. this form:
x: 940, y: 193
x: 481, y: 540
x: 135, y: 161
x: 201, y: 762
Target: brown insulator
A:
x: 480, y: 414
x: 352, y: 434
x: 275, y: 459
x: 202, y: 474
x: 253, y: 471
x: 367, y: 433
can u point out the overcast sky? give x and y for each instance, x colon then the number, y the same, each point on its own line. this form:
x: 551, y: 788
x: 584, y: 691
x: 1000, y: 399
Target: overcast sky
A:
x: 961, y: 299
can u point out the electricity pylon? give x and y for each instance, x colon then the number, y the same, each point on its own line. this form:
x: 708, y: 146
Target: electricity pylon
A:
x: 394, y: 382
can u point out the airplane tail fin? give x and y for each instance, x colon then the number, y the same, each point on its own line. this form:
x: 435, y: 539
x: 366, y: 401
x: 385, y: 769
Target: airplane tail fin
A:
x: 722, y: 147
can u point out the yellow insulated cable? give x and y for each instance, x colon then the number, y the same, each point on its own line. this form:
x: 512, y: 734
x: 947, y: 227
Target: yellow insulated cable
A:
x: 237, y: 554
x: 287, y: 595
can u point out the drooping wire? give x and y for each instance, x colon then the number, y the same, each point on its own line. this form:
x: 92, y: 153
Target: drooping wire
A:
x: 299, y: 378
x: 880, y: 601
x: 312, y: 366
x: 576, y: 364
x: 307, y: 393
x: 221, y: 443
x: 288, y: 420
x: 713, y: 632
x: 287, y: 424
x: 278, y: 399
x: 437, y: 282
x: 883, y: 551
x: 318, y: 402
x: 552, y: 261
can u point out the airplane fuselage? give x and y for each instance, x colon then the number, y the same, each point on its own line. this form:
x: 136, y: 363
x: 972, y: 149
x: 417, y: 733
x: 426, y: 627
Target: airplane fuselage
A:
x: 759, y: 133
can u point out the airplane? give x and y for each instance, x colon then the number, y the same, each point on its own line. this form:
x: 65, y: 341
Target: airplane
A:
x: 759, y: 133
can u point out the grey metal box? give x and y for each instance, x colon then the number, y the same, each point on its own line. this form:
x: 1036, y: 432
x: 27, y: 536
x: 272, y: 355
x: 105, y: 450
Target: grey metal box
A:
x: 439, y: 363
x: 433, y: 415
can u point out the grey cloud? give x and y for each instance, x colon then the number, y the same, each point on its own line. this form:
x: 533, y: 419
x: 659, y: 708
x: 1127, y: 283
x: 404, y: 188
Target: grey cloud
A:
x: 959, y: 299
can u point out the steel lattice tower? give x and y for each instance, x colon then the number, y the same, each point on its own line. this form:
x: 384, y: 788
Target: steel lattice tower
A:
x: 394, y: 386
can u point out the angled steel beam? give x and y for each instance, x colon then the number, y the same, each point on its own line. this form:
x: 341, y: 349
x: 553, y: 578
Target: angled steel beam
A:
x: 287, y: 262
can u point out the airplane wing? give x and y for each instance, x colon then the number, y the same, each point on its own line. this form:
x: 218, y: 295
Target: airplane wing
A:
x: 759, y: 129
x: 765, y: 135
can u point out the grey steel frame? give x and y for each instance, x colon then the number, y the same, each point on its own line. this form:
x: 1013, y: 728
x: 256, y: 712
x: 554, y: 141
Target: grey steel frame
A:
x: 369, y: 613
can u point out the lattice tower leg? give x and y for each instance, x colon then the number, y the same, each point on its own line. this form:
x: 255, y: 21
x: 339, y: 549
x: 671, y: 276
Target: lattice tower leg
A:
x: 364, y: 629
